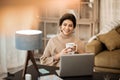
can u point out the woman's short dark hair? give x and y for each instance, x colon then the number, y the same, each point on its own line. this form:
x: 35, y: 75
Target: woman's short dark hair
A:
x: 68, y: 16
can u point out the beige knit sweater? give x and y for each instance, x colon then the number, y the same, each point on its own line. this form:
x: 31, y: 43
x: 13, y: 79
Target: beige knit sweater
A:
x: 56, y: 45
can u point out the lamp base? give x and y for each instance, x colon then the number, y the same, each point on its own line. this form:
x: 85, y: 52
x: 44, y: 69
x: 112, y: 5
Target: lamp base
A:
x: 29, y: 57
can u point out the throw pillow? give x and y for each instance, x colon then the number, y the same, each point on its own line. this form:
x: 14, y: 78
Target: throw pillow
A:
x: 110, y: 39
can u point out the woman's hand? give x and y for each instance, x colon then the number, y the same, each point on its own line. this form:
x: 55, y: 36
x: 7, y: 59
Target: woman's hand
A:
x: 64, y: 51
x: 69, y: 50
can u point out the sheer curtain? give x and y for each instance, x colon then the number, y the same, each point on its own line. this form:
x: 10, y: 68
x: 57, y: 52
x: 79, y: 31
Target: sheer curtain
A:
x: 9, y: 56
x: 106, y: 12
x: 3, y: 65
x: 13, y: 18
x: 109, y: 11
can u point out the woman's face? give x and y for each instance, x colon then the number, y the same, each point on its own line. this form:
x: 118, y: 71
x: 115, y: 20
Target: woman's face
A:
x: 67, y: 27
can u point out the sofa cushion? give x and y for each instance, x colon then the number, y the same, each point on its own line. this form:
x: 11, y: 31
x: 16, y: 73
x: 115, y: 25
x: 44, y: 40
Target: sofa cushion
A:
x: 109, y: 59
x: 111, y: 40
x: 94, y: 46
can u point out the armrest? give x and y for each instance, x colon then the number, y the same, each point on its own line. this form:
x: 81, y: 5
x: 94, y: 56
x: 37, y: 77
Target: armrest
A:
x: 95, y: 46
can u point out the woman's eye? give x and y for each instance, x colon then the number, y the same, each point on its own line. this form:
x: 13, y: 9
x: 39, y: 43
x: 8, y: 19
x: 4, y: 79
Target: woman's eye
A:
x: 70, y: 25
x: 65, y: 24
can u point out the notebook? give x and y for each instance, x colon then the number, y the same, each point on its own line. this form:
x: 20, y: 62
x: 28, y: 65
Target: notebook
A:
x: 76, y: 65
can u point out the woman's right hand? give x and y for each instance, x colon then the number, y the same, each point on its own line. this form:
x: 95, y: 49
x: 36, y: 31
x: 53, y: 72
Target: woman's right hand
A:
x: 64, y: 51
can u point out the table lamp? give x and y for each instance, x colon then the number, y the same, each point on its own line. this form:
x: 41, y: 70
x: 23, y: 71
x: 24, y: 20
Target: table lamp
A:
x: 29, y: 40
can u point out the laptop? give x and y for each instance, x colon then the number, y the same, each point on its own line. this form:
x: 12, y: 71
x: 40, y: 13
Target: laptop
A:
x: 76, y: 65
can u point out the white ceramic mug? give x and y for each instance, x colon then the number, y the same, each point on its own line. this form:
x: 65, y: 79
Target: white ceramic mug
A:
x: 73, y: 46
x: 28, y: 77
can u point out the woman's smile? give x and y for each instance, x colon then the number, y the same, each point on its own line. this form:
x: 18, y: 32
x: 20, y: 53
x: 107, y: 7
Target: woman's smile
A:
x: 67, y: 27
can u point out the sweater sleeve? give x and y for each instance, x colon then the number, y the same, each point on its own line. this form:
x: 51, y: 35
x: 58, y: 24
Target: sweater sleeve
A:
x: 47, y: 57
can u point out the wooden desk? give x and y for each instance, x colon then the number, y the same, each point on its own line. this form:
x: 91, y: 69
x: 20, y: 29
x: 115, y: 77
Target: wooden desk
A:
x: 33, y: 72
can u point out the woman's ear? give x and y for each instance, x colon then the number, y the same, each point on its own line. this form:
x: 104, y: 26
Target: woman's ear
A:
x: 60, y: 29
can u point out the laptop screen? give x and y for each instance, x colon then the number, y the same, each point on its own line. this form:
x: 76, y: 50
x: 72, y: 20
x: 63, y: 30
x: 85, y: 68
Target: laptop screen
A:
x: 76, y: 64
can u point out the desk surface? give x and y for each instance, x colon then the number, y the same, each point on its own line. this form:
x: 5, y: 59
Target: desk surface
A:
x: 33, y: 72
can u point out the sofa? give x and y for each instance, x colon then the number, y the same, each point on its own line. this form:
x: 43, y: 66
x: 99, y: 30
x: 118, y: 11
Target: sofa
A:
x: 106, y: 48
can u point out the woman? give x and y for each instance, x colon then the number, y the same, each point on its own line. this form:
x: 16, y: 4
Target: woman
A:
x: 56, y: 45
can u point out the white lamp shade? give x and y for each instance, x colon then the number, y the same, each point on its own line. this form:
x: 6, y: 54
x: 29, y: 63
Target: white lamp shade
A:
x: 28, y: 39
